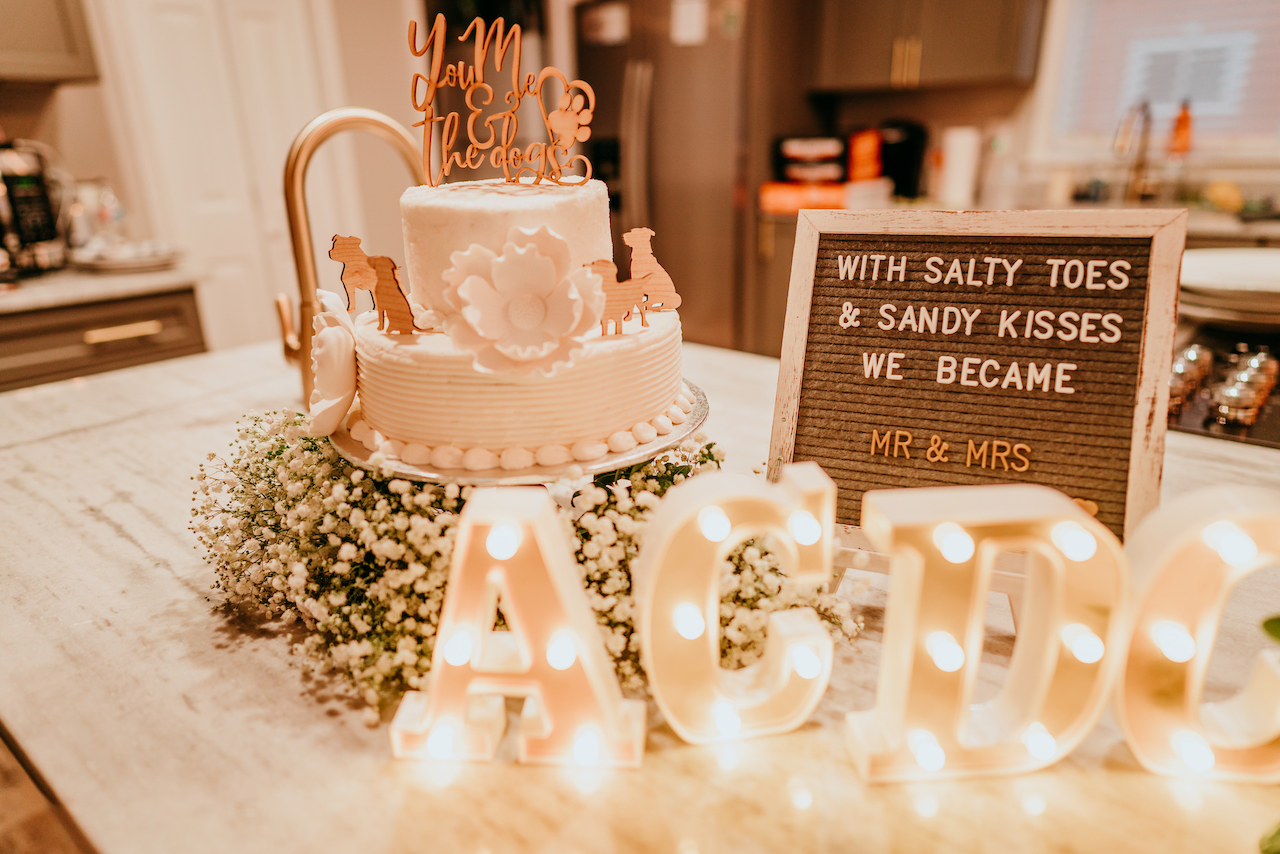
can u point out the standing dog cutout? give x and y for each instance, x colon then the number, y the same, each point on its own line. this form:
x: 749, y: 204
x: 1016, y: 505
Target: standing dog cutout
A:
x: 357, y: 275
x: 620, y: 298
x: 377, y: 275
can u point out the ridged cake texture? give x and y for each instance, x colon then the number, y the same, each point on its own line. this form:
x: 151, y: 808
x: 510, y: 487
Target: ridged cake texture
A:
x: 417, y: 390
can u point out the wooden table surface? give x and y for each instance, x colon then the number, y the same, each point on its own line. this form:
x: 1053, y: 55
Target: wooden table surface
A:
x: 163, y: 722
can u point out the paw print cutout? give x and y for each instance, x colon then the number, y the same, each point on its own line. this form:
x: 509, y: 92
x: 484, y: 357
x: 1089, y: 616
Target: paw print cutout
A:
x: 568, y: 122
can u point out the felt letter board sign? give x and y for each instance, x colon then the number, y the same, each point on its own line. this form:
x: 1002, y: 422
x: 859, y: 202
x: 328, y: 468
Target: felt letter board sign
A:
x: 928, y: 348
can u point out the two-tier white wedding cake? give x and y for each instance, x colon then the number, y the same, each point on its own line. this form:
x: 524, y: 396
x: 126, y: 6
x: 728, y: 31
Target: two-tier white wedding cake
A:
x: 509, y: 365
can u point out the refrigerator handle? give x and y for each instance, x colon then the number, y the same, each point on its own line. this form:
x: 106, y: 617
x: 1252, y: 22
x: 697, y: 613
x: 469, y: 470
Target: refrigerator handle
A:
x: 637, y: 93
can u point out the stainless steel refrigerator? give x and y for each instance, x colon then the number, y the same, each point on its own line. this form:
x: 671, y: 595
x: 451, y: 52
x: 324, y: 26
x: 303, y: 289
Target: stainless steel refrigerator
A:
x: 666, y: 138
x: 691, y: 96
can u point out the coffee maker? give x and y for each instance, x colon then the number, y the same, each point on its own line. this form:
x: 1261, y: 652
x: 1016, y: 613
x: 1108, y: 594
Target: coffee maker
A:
x: 32, y: 241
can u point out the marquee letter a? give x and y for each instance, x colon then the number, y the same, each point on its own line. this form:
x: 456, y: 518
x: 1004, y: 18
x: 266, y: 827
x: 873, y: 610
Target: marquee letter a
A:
x: 511, y: 544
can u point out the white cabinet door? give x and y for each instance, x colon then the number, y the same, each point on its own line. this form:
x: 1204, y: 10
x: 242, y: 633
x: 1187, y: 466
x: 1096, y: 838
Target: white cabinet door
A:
x: 208, y: 95
x: 278, y: 58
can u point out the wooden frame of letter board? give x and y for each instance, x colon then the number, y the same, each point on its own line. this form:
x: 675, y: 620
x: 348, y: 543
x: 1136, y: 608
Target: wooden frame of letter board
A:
x: 1167, y: 230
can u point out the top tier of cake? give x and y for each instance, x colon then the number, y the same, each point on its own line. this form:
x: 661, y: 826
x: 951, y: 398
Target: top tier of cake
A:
x: 439, y: 221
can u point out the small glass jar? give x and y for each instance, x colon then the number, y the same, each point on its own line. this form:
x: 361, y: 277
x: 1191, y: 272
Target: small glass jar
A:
x: 1265, y: 362
x: 1201, y: 357
x: 1236, y: 403
x: 1177, y: 394
x: 1188, y: 372
x: 1252, y: 377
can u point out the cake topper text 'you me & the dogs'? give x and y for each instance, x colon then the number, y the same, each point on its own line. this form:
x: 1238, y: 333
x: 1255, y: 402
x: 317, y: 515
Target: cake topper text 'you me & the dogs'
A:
x: 566, y: 124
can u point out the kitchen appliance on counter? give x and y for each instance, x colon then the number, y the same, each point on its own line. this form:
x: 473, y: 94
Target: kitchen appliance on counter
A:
x: 810, y: 159
x: 49, y: 220
x: 902, y: 148
x: 31, y: 209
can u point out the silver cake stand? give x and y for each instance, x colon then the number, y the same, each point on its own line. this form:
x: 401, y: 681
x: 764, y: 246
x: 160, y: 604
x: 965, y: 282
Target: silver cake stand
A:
x: 357, y: 454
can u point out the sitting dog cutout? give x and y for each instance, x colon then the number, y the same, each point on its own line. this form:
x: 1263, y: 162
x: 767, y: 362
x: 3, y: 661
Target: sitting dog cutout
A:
x: 389, y: 301
x: 660, y: 291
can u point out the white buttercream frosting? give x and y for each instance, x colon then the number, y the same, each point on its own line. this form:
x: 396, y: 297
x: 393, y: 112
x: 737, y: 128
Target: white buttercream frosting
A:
x: 439, y: 221
x: 420, y: 390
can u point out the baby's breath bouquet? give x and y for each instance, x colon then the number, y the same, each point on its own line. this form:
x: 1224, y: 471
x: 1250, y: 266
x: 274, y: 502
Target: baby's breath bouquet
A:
x: 357, y: 562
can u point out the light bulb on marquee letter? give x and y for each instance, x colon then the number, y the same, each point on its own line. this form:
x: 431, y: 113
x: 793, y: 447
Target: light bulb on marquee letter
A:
x: 511, y: 544
x: 677, y: 578
x: 943, y: 543
x: 1187, y: 557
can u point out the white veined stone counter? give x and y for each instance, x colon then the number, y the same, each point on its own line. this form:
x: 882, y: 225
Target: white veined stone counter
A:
x: 165, y: 723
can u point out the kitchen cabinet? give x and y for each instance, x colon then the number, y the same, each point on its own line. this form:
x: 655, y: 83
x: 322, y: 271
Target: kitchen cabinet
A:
x: 67, y: 341
x: 908, y: 44
x: 775, y: 243
x: 858, y: 41
x: 45, y: 41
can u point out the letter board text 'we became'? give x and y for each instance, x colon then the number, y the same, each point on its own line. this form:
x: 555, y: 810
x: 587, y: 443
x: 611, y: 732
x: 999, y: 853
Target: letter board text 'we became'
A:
x: 936, y: 348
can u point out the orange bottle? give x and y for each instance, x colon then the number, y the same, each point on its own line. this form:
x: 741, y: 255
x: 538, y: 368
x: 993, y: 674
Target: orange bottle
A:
x: 1180, y: 138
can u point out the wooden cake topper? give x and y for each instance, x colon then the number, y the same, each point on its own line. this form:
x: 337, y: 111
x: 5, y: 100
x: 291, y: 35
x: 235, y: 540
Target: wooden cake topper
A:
x: 389, y: 301
x: 357, y: 275
x: 496, y: 133
x: 377, y: 275
x: 620, y: 298
x: 649, y: 288
x: 659, y: 290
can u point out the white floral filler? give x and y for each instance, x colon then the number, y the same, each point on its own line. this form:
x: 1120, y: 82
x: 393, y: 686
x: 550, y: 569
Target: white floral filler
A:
x: 356, y: 563
x: 524, y: 311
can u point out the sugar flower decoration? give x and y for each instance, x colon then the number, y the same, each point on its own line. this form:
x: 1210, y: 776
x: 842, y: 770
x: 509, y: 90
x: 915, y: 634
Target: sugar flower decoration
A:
x: 524, y: 311
x: 333, y: 363
x: 424, y: 319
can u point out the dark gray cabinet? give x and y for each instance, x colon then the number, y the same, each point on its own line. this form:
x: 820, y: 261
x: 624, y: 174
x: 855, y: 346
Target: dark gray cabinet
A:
x: 858, y: 39
x: 907, y: 44
x: 45, y: 41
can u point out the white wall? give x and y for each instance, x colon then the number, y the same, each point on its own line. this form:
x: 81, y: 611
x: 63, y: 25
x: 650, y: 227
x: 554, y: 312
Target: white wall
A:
x: 377, y: 69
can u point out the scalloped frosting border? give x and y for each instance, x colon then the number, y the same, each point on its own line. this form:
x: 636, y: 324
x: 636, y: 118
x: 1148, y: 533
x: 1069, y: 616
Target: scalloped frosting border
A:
x: 516, y: 458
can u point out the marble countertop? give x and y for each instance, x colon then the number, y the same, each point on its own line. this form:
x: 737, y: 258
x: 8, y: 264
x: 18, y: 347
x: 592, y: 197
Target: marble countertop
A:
x: 74, y: 287
x: 163, y: 722
x: 1202, y: 223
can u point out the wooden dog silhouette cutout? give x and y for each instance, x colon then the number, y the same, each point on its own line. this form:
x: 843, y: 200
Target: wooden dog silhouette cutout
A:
x: 660, y: 291
x: 356, y: 272
x: 378, y: 276
x: 620, y: 298
x: 389, y: 301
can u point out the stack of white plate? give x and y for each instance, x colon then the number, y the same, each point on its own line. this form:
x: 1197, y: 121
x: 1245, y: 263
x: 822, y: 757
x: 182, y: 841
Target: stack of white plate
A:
x: 1232, y: 288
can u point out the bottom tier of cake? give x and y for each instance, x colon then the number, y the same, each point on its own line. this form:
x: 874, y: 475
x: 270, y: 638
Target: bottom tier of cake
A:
x: 422, y: 401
